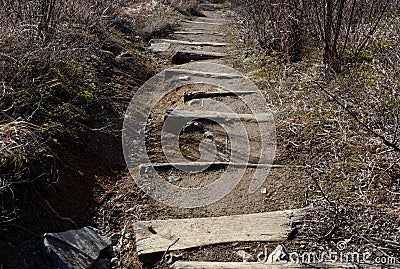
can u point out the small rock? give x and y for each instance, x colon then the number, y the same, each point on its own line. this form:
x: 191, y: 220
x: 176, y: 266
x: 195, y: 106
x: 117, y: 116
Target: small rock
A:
x: 264, y: 190
x: 172, y: 179
x: 75, y: 248
x: 245, y: 256
x: 278, y: 255
x: 159, y: 47
x: 209, y: 134
x: 128, y: 235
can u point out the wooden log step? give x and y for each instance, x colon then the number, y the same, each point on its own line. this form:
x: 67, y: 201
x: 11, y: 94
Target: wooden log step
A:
x: 203, y: 22
x: 194, y: 73
x: 198, y: 33
x: 258, y: 265
x: 191, y: 43
x: 198, y: 165
x: 221, y: 93
x: 216, y: 116
x: 210, y: 7
x: 174, y: 234
x: 182, y: 57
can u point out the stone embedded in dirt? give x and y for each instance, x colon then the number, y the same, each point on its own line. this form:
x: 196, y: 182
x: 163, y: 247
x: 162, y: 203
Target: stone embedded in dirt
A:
x: 278, y: 255
x: 208, y: 135
x: 264, y: 190
x: 172, y: 179
x: 159, y: 47
x: 247, y: 257
x: 75, y: 248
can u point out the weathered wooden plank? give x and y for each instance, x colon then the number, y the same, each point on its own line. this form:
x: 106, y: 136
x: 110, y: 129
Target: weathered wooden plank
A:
x: 216, y: 115
x: 182, y: 57
x: 160, y: 235
x: 257, y: 265
x: 198, y: 33
x: 203, y: 22
x: 195, y: 73
x: 192, y: 43
x: 197, y: 165
x: 199, y: 95
x: 210, y: 7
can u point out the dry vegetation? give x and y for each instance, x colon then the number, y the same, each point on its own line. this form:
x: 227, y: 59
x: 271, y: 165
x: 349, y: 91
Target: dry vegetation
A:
x: 68, y: 70
x: 343, y: 119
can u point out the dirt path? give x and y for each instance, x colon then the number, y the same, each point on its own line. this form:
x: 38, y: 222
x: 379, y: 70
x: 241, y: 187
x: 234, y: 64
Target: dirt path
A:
x: 280, y: 190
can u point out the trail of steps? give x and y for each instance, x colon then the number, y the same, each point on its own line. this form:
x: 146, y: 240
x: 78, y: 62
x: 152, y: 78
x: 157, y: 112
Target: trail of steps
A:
x: 203, y: 39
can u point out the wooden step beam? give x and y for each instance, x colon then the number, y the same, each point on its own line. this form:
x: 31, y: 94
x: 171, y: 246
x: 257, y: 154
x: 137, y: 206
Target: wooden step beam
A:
x: 200, y: 95
x: 182, y: 57
x: 175, y: 234
x: 198, y: 165
x: 203, y: 22
x: 198, y: 33
x: 191, y: 43
x: 216, y: 116
x: 201, y: 74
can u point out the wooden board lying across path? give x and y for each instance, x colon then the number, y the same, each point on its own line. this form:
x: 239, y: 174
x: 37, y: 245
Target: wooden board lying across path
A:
x: 196, y: 165
x: 204, y: 22
x: 201, y: 74
x: 198, y: 95
x: 160, y: 235
x: 217, y: 116
x: 182, y: 57
x: 256, y: 265
x: 198, y: 33
x: 192, y: 43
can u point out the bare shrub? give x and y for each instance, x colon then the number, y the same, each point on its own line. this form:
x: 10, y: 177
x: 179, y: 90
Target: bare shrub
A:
x: 151, y: 18
x: 277, y: 26
x: 345, y: 27
x: 185, y: 7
